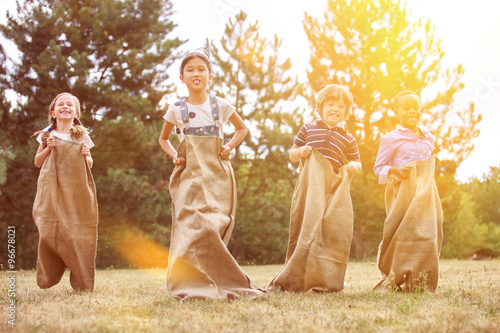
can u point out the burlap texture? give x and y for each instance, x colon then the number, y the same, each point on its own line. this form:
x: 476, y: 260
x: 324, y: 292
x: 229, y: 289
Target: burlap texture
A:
x: 65, y: 213
x: 408, y: 255
x: 321, y: 228
x: 204, y: 205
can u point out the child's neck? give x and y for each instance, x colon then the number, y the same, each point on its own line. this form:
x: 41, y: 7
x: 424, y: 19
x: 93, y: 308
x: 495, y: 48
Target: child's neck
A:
x: 197, y: 98
x: 64, y: 127
x: 415, y: 130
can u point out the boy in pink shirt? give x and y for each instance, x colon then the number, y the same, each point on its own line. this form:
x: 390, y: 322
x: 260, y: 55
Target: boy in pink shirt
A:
x: 408, y: 256
x: 408, y: 142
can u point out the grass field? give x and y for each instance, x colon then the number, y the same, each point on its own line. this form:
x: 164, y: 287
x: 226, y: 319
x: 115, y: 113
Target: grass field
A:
x: 467, y: 300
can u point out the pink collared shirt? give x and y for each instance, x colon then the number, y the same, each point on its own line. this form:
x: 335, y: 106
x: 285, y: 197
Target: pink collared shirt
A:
x: 399, y: 147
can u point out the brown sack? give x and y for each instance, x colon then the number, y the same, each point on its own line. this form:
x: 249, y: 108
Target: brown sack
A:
x: 321, y: 228
x: 65, y: 213
x: 408, y: 255
x: 204, y: 204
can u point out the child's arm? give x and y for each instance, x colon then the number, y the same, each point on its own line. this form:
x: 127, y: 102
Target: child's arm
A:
x: 353, y: 159
x: 241, y: 132
x: 401, y: 172
x: 353, y: 167
x: 42, y: 153
x: 383, y: 165
x: 88, y: 157
x: 296, y: 153
x: 167, y: 146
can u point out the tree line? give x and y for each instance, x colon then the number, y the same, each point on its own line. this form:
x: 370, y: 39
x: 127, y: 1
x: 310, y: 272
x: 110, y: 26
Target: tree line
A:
x: 114, y: 55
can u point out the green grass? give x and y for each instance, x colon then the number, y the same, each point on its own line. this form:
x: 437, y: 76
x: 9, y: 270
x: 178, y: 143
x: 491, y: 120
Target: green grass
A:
x: 467, y: 300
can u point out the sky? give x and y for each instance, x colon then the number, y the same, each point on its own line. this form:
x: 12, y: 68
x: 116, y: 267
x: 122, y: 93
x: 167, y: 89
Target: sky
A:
x: 468, y: 31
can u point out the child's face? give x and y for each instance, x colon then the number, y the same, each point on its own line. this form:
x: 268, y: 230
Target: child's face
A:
x: 196, y: 75
x: 408, y: 111
x: 333, y: 111
x: 64, y: 109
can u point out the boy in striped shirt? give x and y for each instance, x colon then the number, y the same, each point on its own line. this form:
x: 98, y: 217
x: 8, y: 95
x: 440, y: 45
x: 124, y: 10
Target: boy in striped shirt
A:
x: 334, y: 105
x: 321, y: 214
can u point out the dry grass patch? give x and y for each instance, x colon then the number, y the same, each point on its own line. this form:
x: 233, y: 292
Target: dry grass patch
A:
x: 467, y: 300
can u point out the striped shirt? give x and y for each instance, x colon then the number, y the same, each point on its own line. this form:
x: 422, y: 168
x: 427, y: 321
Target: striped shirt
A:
x: 334, y: 143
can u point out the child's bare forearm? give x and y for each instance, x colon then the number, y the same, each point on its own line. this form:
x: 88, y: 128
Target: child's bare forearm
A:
x: 167, y: 147
x: 90, y: 161
x: 41, y: 156
x: 237, y: 138
x: 294, y: 154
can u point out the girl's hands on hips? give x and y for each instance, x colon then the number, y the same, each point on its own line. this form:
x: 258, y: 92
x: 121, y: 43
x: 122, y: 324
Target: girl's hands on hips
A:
x: 179, y: 160
x: 225, y: 151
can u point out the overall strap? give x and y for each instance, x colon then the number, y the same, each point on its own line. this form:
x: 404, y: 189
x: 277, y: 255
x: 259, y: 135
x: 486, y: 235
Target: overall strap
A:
x: 184, y: 112
x: 215, y: 107
x: 213, y: 103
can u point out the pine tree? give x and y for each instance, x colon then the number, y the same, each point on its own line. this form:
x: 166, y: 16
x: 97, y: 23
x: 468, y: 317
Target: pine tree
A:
x: 249, y: 74
x: 374, y: 49
x: 6, y: 152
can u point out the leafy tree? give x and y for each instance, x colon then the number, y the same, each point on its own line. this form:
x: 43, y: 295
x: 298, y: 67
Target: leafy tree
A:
x: 5, y: 147
x: 248, y: 73
x: 374, y: 49
x: 484, y: 193
x: 464, y: 234
x: 113, y: 56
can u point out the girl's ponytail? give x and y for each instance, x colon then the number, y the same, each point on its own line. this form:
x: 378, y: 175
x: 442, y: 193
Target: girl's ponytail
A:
x: 78, y: 131
x: 46, y: 133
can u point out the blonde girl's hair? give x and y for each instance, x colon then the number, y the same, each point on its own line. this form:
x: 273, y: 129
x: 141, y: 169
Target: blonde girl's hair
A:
x: 334, y: 92
x: 77, y: 131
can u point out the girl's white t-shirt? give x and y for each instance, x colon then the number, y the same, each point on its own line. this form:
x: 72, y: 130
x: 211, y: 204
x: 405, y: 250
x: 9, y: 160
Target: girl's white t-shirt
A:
x: 199, y: 115
x: 86, y: 138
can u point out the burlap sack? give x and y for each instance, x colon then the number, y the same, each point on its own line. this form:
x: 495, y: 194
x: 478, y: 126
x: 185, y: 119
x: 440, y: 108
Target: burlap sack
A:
x: 321, y: 228
x: 204, y: 204
x: 408, y: 255
x: 65, y: 213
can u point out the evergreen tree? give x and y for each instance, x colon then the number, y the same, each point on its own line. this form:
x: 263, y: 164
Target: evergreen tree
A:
x: 484, y: 193
x: 374, y: 49
x: 249, y: 74
x: 113, y: 56
x: 5, y: 147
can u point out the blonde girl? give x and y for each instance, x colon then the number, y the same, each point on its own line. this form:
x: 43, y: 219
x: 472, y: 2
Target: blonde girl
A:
x: 64, y: 118
x: 65, y: 207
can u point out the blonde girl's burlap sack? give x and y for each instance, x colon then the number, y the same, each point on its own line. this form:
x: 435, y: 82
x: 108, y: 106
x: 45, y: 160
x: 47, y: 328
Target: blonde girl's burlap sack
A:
x: 408, y: 255
x: 204, y: 204
x: 65, y: 213
x: 321, y: 228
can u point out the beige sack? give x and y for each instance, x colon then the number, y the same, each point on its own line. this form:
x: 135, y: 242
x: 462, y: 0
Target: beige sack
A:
x: 65, y: 213
x: 321, y: 228
x: 408, y: 255
x: 204, y: 205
